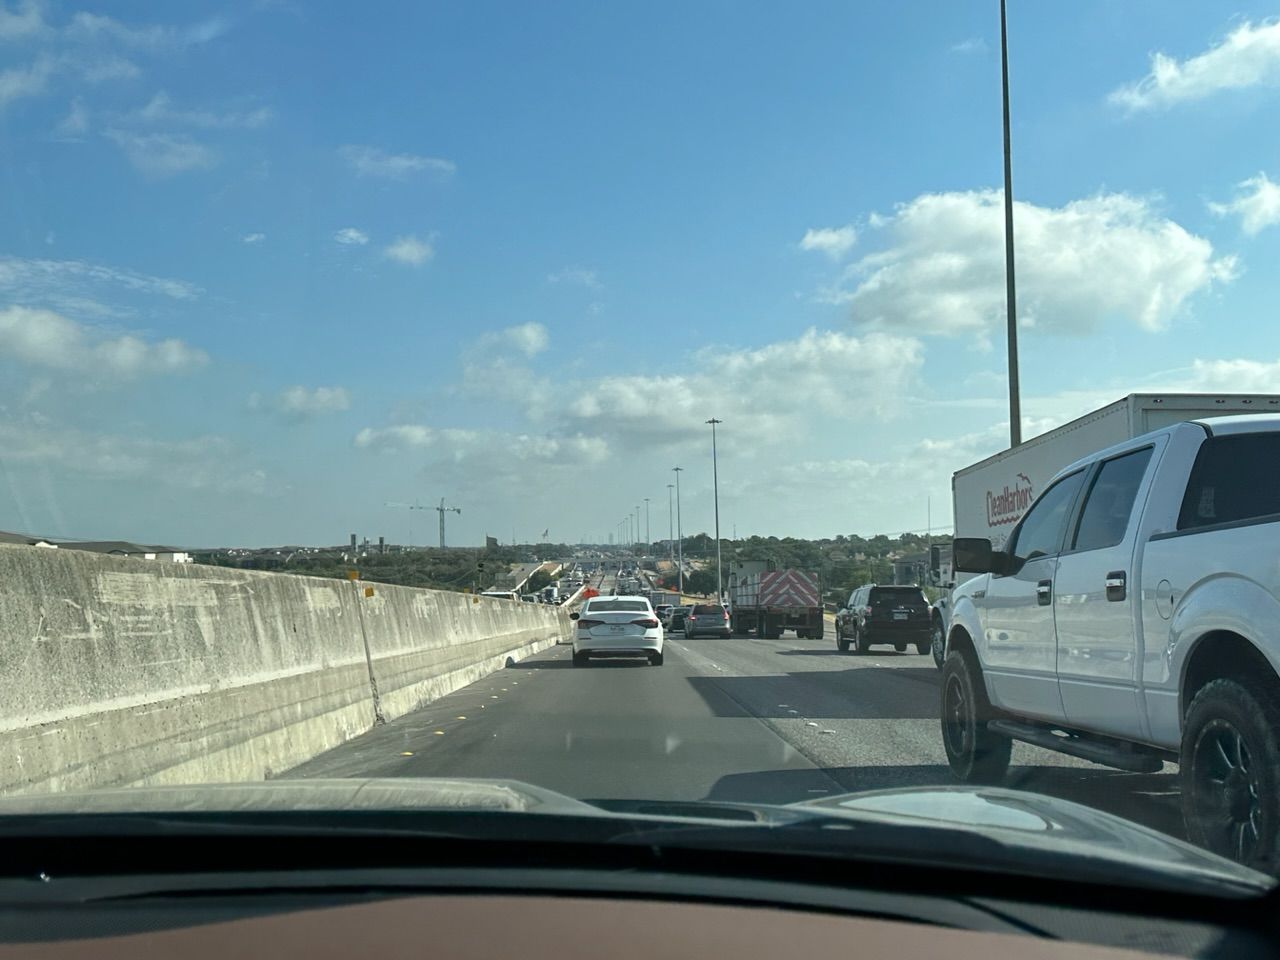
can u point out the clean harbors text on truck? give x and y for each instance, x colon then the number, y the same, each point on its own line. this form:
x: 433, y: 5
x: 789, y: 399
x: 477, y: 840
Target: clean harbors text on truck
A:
x: 1131, y: 618
x: 770, y: 601
x: 990, y: 496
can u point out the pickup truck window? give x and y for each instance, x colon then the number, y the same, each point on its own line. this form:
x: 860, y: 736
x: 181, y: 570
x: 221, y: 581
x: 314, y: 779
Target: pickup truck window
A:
x: 1234, y: 478
x: 1109, y: 503
x: 1041, y: 531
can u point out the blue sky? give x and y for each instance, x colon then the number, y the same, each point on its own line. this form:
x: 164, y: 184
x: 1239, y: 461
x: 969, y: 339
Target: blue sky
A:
x: 267, y: 267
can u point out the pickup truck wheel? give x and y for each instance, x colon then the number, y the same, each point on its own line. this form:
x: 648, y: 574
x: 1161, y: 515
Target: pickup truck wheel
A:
x: 1230, y: 771
x: 976, y: 755
x: 939, y: 643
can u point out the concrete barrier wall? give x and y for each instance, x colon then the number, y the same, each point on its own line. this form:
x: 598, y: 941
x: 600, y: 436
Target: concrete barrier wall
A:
x: 117, y: 672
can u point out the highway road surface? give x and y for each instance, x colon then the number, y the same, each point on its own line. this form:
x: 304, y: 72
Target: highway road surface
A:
x: 741, y: 719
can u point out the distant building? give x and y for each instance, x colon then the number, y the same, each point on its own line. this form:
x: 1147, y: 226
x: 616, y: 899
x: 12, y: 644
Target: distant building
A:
x: 26, y: 540
x: 123, y: 548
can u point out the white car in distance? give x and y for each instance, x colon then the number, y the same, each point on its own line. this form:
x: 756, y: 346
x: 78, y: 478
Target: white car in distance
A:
x: 616, y: 626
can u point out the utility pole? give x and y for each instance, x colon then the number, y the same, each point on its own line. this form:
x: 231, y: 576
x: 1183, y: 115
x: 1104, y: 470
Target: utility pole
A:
x: 715, y: 482
x: 637, y: 527
x: 1010, y: 288
x: 647, y: 541
x: 442, y: 510
x: 671, y: 523
x: 679, y: 533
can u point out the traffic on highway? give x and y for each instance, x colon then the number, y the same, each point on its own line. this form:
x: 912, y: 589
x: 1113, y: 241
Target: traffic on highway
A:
x: 656, y: 479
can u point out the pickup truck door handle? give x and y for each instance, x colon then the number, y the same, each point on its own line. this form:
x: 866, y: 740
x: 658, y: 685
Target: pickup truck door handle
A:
x: 1044, y: 592
x: 1116, y: 585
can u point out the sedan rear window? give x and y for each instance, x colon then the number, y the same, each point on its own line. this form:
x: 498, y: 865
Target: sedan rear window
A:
x: 607, y: 606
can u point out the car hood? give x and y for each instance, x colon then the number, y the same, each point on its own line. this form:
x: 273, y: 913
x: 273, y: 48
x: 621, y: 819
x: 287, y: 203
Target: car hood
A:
x: 968, y: 827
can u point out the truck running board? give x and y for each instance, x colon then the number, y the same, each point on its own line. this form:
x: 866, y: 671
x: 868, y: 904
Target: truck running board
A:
x: 1120, y: 756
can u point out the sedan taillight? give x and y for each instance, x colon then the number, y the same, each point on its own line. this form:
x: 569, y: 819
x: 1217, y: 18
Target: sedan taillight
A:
x: 648, y: 623
x: 588, y: 624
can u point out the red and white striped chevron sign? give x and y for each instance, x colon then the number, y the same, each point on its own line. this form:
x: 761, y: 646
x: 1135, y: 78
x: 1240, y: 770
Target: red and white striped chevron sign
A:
x: 788, y: 588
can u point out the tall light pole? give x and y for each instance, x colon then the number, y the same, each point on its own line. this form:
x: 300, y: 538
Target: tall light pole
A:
x: 647, y: 541
x: 637, y: 523
x: 671, y: 522
x: 715, y: 486
x: 679, y: 534
x: 1010, y: 289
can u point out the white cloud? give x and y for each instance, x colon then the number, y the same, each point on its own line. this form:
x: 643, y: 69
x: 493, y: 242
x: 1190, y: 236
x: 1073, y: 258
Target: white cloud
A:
x: 1257, y: 204
x: 374, y: 162
x: 199, y: 463
x: 971, y: 45
x: 103, y: 68
x: 162, y: 154
x: 1109, y: 256
x: 401, y: 437
x: 578, y: 276
x: 300, y: 402
x: 161, y: 110
x: 28, y: 81
x: 835, y: 242
x: 91, y: 27
x: 1248, y: 56
x: 65, y: 283
x: 529, y: 339
x: 42, y: 338
x: 24, y: 21
x: 351, y: 236
x: 409, y: 250
x: 75, y: 124
x: 253, y: 238
x: 825, y: 372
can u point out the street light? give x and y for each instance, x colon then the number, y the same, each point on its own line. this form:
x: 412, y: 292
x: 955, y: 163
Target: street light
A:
x: 679, y: 533
x: 715, y: 485
x: 1011, y: 298
x: 647, y: 540
x: 671, y: 523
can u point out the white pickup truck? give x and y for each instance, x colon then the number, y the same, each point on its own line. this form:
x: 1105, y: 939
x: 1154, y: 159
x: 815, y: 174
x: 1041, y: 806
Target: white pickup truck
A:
x: 1131, y: 617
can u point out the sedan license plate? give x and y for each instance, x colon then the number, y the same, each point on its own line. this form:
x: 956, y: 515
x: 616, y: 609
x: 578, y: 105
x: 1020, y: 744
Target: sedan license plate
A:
x: 617, y: 628
x: 899, y: 614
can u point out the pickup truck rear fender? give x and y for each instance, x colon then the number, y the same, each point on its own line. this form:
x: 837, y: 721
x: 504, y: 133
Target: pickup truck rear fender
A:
x: 1223, y: 625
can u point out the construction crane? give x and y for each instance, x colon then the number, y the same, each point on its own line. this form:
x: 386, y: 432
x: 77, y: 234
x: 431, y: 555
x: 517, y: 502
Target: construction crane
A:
x: 442, y: 510
x: 407, y: 506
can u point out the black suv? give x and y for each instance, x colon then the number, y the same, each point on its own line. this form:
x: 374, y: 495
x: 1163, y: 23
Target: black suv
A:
x: 876, y: 614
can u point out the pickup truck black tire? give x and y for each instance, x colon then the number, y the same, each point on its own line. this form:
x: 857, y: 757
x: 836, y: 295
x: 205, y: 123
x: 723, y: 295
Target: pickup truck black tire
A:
x: 976, y: 755
x: 1230, y: 771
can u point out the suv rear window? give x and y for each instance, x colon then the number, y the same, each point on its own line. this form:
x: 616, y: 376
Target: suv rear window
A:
x: 1234, y: 478
x: 708, y: 608
x: 897, y: 596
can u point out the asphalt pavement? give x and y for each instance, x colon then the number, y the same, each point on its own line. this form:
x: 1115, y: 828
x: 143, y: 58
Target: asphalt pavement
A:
x: 770, y: 721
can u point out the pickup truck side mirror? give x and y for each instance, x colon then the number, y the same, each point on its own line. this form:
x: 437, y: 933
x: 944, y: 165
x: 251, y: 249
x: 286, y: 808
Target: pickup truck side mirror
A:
x: 975, y: 555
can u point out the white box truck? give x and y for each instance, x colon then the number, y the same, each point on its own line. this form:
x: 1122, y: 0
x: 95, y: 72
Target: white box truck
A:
x: 990, y: 496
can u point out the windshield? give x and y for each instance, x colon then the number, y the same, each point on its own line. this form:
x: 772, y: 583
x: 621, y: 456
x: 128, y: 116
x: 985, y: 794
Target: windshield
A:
x: 328, y: 329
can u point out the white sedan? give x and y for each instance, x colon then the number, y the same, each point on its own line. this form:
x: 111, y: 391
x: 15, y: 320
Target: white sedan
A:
x: 616, y: 626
